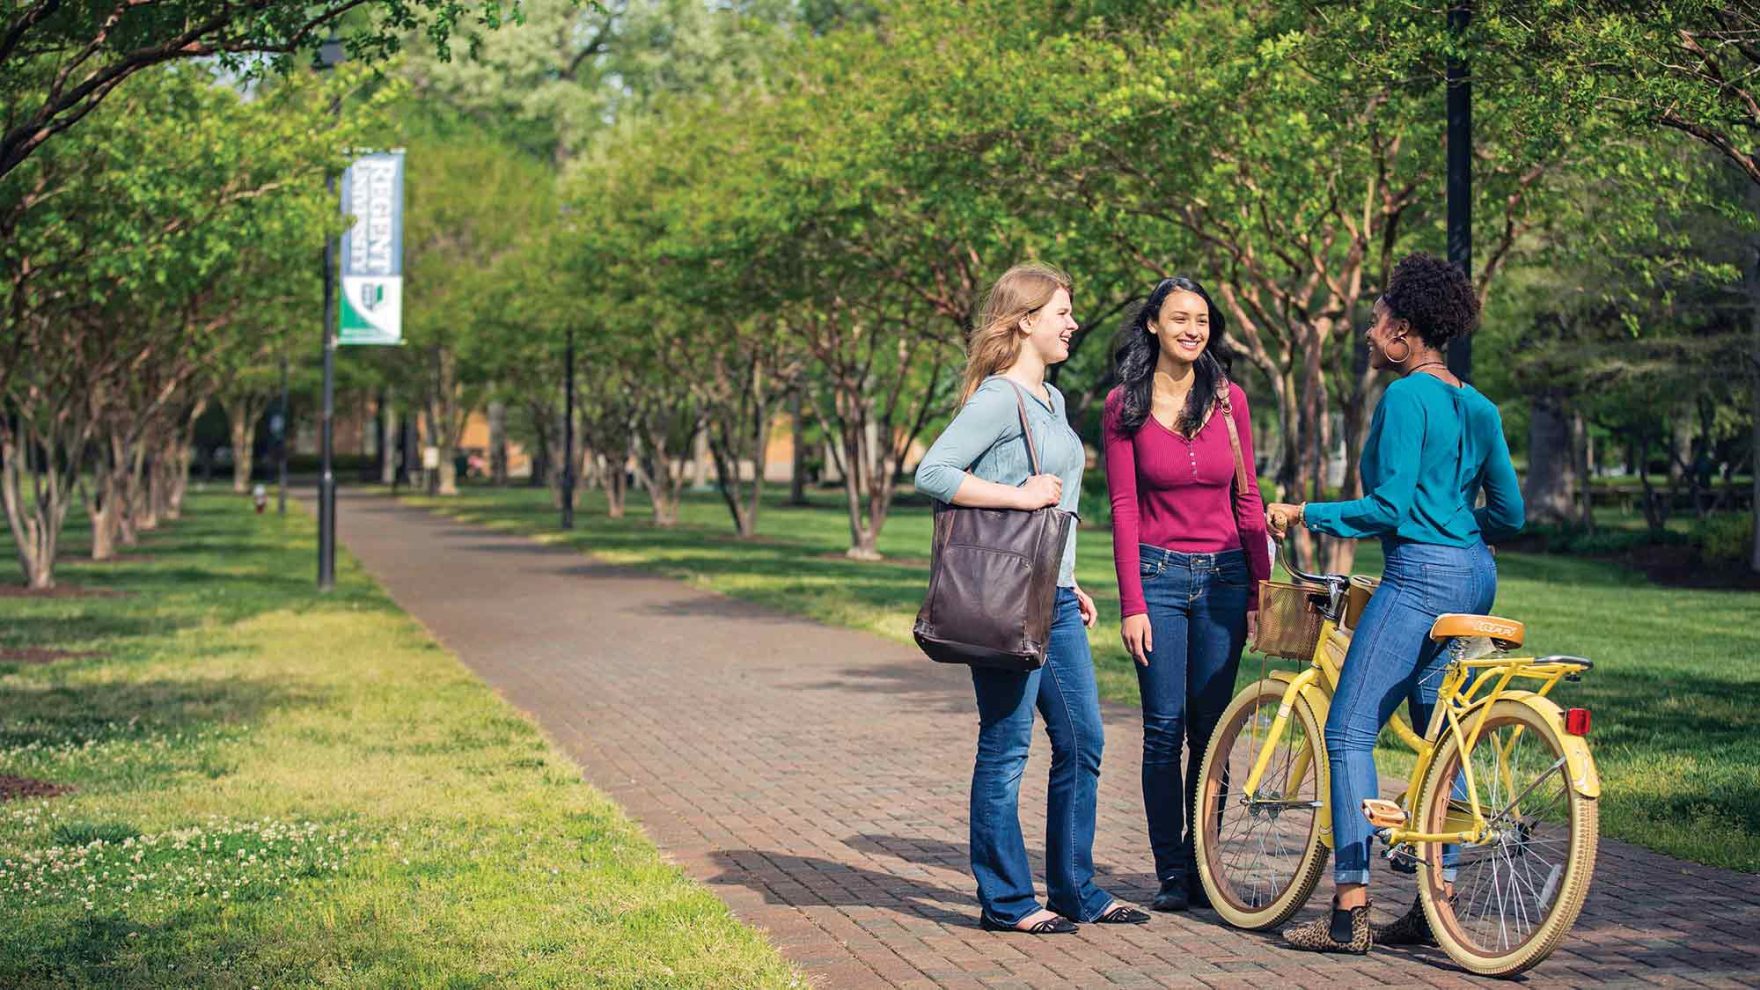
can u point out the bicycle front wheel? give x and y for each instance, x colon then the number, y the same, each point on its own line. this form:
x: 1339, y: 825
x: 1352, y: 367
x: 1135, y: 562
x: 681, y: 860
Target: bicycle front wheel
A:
x: 1260, y: 855
x: 1514, y: 896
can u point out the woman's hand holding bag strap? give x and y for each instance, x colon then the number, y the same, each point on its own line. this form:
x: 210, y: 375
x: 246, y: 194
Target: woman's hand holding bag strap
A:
x: 993, y: 579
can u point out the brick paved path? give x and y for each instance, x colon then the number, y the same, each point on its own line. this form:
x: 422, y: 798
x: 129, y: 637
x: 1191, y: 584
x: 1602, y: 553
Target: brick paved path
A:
x: 816, y: 779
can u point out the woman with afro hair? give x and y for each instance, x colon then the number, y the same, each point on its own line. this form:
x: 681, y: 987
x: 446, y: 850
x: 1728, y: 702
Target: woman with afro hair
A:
x: 1434, y: 446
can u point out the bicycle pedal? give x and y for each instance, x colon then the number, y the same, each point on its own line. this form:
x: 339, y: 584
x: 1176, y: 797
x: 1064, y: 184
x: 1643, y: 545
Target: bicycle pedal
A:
x: 1382, y: 813
x: 1400, y: 861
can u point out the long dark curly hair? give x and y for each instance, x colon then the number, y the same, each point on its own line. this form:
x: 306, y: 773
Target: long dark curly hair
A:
x: 1137, y: 351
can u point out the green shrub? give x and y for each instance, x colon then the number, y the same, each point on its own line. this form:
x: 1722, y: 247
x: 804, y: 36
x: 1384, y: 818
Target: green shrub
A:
x: 1726, y: 536
x: 1599, y: 542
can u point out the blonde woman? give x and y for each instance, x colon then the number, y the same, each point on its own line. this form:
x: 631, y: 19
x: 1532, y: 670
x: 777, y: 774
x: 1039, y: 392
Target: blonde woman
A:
x: 980, y: 460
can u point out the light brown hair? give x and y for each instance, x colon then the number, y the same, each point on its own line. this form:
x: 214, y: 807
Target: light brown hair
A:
x: 995, y: 341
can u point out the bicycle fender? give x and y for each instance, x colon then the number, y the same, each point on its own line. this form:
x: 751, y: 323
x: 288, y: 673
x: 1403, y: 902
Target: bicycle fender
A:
x: 1578, y: 762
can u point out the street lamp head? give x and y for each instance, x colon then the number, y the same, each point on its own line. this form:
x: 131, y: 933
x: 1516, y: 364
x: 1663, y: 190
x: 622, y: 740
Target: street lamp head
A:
x: 331, y: 52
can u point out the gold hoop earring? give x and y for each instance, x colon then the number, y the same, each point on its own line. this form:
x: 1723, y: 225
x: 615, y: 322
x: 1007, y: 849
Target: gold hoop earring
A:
x: 1388, y: 354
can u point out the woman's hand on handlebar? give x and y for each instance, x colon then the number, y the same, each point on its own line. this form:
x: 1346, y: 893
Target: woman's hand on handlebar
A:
x: 1280, y: 516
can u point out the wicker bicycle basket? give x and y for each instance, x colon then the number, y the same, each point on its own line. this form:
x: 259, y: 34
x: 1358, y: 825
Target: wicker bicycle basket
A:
x: 1289, y: 620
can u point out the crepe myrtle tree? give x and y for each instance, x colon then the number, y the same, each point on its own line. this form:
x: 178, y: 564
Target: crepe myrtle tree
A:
x: 60, y: 61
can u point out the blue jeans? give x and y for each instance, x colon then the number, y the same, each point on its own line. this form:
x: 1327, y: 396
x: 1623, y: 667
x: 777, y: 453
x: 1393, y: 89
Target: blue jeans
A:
x: 1392, y: 659
x: 1198, y: 624
x: 1064, y: 692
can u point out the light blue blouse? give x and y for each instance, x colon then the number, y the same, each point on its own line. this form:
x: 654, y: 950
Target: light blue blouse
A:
x: 985, y: 440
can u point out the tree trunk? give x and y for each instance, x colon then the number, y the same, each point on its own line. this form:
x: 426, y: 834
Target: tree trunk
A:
x: 540, y: 417
x: 1655, y: 504
x: 103, y: 524
x: 121, y: 467
x: 658, y: 476
x: 445, y: 420
x: 140, y: 501
x: 409, y: 452
x: 1550, y: 492
x: 388, y: 450
x: 1680, y: 449
x: 430, y: 476
x: 1583, y: 447
x: 797, y: 476
x: 179, y: 486
x: 241, y: 418
x: 159, y: 478
x: 700, y: 459
x: 106, y: 505
x: 614, y: 477
x: 1754, y: 441
x: 35, y: 520
x: 1754, y: 370
x: 498, y: 443
x: 737, y: 428
x: 733, y: 493
x: 867, y: 475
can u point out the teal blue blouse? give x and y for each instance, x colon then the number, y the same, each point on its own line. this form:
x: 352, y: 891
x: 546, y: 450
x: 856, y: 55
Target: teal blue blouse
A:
x: 1432, y: 449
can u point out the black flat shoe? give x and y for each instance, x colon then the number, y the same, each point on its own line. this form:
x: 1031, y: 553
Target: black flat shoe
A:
x: 1055, y: 925
x: 1196, y: 897
x: 1172, y: 897
x: 1122, y: 914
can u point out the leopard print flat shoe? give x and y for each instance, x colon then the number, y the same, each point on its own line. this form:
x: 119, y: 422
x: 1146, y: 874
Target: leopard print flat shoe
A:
x: 1411, y: 928
x: 1336, y: 931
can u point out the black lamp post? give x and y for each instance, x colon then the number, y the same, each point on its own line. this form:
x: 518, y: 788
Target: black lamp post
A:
x: 330, y: 55
x: 568, y: 433
x: 282, y: 424
x: 1460, y: 175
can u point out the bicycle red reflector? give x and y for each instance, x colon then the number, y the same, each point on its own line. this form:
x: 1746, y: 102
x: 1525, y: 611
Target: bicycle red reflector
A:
x: 1576, y: 721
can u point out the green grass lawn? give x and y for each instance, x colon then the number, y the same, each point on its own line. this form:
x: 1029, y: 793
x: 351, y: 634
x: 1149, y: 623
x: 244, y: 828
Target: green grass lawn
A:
x: 1675, y: 692
x: 280, y: 789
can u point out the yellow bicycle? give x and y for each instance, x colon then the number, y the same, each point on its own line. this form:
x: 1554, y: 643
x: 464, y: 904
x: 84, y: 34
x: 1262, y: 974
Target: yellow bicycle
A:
x: 1499, y: 824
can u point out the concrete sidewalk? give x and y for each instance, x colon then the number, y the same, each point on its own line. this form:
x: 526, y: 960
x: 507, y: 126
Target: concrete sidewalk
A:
x: 816, y: 778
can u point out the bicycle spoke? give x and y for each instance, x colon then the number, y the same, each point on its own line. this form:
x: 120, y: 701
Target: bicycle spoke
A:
x: 1260, y: 842
x: 1508, y: 886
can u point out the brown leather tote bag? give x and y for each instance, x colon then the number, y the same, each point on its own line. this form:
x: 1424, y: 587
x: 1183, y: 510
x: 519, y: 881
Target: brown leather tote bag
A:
x: 993, y: 580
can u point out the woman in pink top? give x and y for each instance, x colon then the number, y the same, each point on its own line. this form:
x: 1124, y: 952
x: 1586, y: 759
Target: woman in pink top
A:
x: 1189, y: 545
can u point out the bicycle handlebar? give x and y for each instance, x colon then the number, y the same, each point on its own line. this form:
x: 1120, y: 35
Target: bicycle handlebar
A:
x: 1320, y: 579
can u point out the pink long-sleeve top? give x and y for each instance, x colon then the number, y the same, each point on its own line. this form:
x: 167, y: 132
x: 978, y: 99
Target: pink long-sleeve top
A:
x: 1176, y: 492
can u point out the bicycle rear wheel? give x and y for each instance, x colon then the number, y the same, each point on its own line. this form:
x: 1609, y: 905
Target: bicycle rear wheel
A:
x: 1260, y: 856
x: 1516, y: 895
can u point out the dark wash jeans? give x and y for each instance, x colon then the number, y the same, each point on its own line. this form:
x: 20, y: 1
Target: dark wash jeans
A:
x: 1198, y: 619
x: 1391, y: 660
x: 1065, y: 694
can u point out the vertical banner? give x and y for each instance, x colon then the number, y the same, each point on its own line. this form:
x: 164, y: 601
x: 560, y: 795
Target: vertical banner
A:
x: 371, y: 309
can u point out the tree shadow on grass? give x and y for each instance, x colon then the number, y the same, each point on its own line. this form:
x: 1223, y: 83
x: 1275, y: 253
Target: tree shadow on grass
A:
x: 198, y: 945
x: 48, y: 715
x: 203, y: 574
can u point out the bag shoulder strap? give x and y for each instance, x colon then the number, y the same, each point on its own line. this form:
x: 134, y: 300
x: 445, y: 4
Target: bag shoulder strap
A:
x: 1020, y: 399
x: 1234, y: 436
